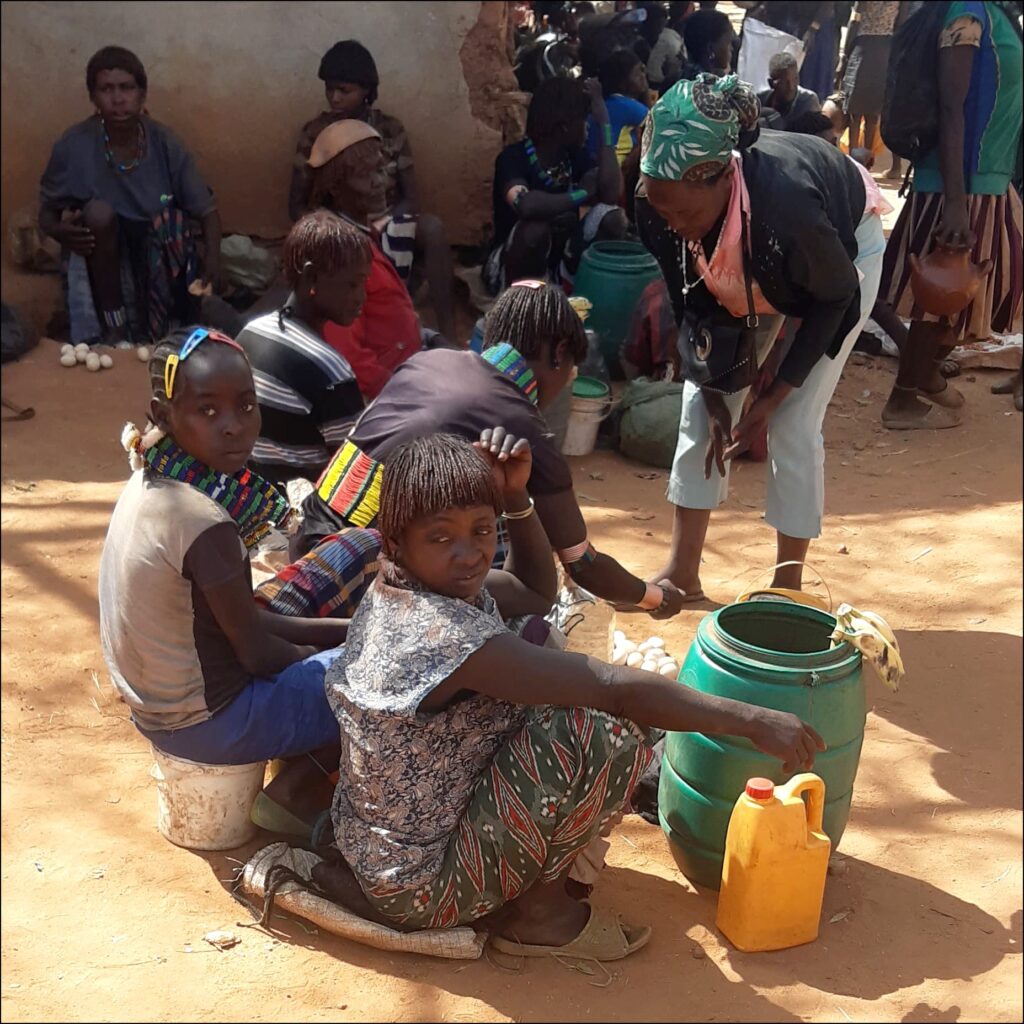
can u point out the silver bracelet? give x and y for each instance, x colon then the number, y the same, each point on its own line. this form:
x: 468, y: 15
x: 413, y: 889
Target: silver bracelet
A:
x: 524, y: 514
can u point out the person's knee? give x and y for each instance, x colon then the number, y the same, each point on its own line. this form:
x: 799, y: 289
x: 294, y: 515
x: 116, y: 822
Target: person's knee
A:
x: 98, y: 215
x: 614, y: 226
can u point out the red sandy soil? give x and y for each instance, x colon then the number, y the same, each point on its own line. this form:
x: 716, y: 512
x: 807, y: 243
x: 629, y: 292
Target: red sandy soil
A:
x: 103, y: 919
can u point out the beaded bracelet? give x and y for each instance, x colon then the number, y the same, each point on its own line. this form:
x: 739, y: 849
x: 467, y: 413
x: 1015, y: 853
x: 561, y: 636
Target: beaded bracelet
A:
x: 579, y: 196
x: 607, y: 135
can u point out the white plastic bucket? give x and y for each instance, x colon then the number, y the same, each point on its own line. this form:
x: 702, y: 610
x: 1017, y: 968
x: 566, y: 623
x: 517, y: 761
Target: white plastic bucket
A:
x: 586, y: 411
x: 205, y: 806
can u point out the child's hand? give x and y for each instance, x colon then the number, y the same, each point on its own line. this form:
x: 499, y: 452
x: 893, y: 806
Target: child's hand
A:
x: 510, y: 458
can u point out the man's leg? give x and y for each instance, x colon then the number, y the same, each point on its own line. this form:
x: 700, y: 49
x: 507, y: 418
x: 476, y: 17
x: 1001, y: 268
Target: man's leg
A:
x: 105, y: 270
x: 432, y: 247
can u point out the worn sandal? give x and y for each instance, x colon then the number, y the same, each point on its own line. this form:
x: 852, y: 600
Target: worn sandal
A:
x: 604, y: 938
x: 934, y: 418
x: 949, y: 397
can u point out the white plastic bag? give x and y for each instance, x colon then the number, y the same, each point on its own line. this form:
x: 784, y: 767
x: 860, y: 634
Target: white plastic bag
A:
x: 760, y: 43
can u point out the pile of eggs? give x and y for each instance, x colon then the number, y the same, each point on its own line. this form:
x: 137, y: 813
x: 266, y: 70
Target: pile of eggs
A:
x: 649, y: 656
x: 72, y: 355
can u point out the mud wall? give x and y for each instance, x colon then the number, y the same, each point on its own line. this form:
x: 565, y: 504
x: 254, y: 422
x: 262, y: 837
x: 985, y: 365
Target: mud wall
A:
x: 237, y: 80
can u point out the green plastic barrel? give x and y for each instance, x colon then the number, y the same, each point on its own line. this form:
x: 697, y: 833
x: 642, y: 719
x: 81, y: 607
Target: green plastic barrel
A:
x: 613, y: 276
x: 777, y: 655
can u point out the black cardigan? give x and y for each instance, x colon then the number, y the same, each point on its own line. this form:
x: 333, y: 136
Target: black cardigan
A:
x: 806, y: 202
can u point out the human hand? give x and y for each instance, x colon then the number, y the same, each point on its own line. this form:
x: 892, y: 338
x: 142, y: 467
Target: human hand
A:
x: 510, y: 459
x: 954, y: 230
x: 809, y: 36
x: 720, y: 427
x: 750, y: 427
x: 212, y: 272
x: 598, y: 109
x: 74, y: 235
x: 786, y: 737
x: 672, y: 604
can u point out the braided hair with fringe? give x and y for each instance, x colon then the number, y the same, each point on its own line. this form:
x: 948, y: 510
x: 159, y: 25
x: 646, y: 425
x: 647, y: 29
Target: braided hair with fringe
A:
x: 432, y: 474
x: 529, y: 317
x: 325, y: 241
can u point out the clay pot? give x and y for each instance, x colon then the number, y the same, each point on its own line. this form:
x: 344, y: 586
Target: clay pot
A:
x: 945, y: 281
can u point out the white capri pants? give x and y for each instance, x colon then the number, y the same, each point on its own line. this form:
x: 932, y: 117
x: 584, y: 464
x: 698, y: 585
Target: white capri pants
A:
x: 796, y: 450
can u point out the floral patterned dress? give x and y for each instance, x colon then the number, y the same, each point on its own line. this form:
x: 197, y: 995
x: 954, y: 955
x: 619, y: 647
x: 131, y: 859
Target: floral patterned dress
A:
x: 444, y: 816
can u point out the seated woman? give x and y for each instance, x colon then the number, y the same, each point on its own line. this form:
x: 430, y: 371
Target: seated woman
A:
x: 476, y: 766
x: 208, y: 673
x: 118, y: 193
x: 534, y: 341
x: 550, y: 198
x: 348, y: 179
x: 307, y: 392
x: 624, y: 87
x: 350, y: 81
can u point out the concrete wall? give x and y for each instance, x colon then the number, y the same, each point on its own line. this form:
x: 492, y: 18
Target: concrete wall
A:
x: 237, y: 79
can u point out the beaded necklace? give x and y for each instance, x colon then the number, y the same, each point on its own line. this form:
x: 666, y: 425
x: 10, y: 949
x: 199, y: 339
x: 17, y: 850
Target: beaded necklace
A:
x: 129, y: 165
x: 554, y: 177
x: 253, y: 503
x: 506, y: 360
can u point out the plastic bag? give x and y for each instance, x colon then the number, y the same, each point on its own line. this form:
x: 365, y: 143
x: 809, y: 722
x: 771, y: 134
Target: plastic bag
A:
x: 760, y: 43
x: 30, y: 249
x: 649, y: 423
x: 246, y: 265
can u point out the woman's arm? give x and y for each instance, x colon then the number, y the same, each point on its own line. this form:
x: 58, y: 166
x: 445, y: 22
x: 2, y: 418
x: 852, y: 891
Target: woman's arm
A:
x: 211, y: 244
x: 324, y: 634
x: 609, y: 177
x: 955, y: 66
x: 508, y: 668
x: 71, y: 233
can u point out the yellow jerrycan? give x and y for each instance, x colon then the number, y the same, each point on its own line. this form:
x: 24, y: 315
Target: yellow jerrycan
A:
x: 776, y: 858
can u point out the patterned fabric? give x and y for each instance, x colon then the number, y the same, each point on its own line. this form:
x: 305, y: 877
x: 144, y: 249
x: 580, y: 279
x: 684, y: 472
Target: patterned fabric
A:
x: 172, y: 268
x: 651, y: 342
x: 394, y: 141
x: 693, y: 129
x: 877, y: 18
x: 330, y: 580
x: 505, y: 358
x: 406, y: 777
x: 997, y: 224
x: 398, y: 239
x: 254, y: 504
x: 351, y: 485
x: 548, y: 792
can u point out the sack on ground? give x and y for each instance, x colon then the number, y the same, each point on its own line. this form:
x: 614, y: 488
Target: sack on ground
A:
x: 16, y: 335
x: 246, y: 265
x: 649, y: 424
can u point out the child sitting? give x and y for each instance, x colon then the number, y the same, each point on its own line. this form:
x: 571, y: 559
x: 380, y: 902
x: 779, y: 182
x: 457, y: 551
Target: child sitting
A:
x: 476, y: 765
x: 208, y: 674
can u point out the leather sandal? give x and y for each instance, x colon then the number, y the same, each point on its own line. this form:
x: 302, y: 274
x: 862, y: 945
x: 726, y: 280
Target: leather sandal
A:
x: 604, y: 938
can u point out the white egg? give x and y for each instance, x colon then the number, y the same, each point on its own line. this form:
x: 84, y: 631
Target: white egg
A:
x: 82, y: 347
x: 66, y: 348
x: 627, y: 646
x: 81, y: 356
x: 92, y: 362
x: 125, y: 345
x: 651, y: 643
x: 634, y: 659
x: 617, y: 637
x: 106, y: 361
x: 649, y: 666
x: 143, y: 353
x: 670, y: 668
x: 68, y: 359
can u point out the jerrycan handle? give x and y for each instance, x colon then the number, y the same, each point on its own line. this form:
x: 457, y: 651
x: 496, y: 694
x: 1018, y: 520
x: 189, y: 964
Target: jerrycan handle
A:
x: 808, y: 782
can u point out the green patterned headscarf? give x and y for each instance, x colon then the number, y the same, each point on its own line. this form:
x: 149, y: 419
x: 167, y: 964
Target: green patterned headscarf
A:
x: 692, y: 130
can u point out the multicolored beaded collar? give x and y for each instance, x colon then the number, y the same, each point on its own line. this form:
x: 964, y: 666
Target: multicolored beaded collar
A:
x: 506, y: 360
x: 253, y: 503
x: 129, y: 165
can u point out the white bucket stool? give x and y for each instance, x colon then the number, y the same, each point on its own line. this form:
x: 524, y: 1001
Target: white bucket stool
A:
x: 205, y: 806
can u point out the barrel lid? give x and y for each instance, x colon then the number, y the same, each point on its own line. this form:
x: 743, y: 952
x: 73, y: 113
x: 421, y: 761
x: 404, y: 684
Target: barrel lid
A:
x: 760, y: 789
x: 589, y: 387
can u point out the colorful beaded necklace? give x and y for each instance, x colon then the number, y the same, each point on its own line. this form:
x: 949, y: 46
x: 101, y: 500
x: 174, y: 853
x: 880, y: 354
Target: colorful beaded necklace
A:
x: 129, y: 165
x: 253, y: 503
x: 554, y: 177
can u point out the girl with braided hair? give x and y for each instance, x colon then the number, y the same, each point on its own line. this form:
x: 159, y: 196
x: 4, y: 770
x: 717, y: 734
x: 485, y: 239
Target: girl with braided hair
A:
x: 747, y: 229
x: 209, y: 673
x: 478, y: 767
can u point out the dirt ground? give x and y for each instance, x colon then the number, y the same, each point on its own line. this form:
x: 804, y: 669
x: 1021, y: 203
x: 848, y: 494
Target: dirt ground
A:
x: 104, y: 920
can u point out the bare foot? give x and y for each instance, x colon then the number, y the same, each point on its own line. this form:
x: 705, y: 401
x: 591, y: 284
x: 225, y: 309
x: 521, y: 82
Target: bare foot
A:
x: 680, y: 579
x: 947, y: 396
x: 554, y: 921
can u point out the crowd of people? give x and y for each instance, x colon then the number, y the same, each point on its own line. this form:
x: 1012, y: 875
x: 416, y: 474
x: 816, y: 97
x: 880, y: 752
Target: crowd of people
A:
x: 405, y: 646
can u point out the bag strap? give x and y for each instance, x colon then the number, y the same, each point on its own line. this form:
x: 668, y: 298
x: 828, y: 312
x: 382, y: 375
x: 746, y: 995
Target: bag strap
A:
x: 752, y: 318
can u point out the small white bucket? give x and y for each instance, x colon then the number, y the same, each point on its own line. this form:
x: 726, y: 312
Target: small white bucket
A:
x: 205, y: 806
x: 585, y: 415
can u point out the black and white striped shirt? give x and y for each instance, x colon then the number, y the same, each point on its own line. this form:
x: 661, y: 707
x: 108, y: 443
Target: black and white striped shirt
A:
x: 307, y: 393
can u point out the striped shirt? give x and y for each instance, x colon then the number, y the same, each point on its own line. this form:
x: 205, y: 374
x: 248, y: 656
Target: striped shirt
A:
x: 307, y: 393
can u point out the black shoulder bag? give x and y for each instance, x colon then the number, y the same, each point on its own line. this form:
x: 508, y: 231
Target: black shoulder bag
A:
x: 719, y: 352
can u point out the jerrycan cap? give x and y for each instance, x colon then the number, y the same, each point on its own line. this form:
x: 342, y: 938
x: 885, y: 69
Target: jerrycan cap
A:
x: 760, y: 789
